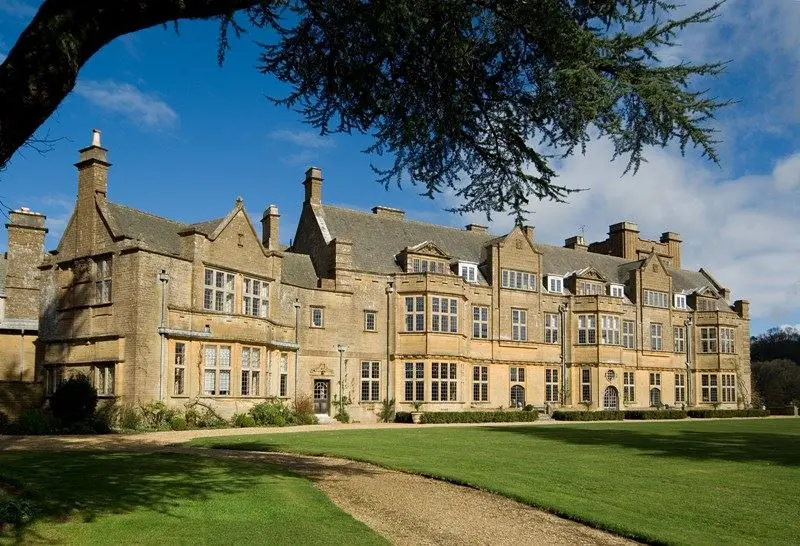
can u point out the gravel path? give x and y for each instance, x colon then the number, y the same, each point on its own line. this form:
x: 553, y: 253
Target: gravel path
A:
x: 404, y: 508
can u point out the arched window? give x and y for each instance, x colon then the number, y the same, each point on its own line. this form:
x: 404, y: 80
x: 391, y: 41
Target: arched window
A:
x: 517, y: 396
x: 655, y: 397
x: 611, y: 398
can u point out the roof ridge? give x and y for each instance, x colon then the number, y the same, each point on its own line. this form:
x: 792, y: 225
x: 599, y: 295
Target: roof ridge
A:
x: 404, y: 219
x: 147, y: 213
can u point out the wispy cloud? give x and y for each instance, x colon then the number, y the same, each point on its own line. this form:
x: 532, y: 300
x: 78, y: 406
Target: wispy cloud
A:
x: 17, y: 8
x: 143, y: 109
x: 305, y: 146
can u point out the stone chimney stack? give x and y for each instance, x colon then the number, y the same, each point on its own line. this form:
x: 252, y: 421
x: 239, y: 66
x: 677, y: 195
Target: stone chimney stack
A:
x: 92, y: 188
x: 269, y: 228
x: 26, y: 233
x: 313, y: 185
x: 477, y: 228
x: 742, y: 308
x: 623, y: 239
x: 673, y: 242
x: 529, y: 231
x: 576, y: 243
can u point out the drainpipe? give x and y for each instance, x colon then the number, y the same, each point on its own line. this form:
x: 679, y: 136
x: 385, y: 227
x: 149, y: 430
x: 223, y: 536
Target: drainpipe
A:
x: 689, y: 346
x: 341, y: 348
x: 389, y: 291
x: 562, y: 309
x: 22, y: 356
x: 296, y: 341
x: 163, y: 277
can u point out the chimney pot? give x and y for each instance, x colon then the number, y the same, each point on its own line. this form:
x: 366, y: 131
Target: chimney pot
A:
x: 96, y: 138
x: 389, y: 212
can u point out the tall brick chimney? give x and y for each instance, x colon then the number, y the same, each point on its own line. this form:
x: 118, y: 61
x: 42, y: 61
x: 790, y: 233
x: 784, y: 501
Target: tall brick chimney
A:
x: 623, y: 238
x: 269, y: 228
x: 92, y: 185
x: 673, y: 242
x: 313, y: 185
x: 26, y: 233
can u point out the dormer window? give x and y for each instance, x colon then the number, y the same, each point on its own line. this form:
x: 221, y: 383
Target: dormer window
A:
x: 425, y: 265
x: 468, y: 271
x: 589, y: 288
x: 679, y: 301
x: 555, y: 284
x: 616, y: 291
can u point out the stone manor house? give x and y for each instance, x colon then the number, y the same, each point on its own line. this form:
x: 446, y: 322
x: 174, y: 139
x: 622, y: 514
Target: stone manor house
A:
x: 364, y: 305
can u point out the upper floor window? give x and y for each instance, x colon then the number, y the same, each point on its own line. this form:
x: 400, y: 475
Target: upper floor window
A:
x: 654, y: 298
x: 480, y: 321
x: 255, y: 297
x: 551, y: 322
x: 444, y: 315
x: 705, y: 304
x: 609, y: 330
x: 726, y: 340
x: 708, y: 340
x: 423, y: 265
x: 317, y: 317
x: 469, y: 272
x: 555, y: 284
x: 519, y: 280
x: 680, y: 301
x: 587, y: 329
x: 655, y: 336
x: 218, y: 293
x: 680, y: 339
x: 629, y: 334
x: 102, y: 280
x: 370, y: 321
x: 616, y: 291
x: 589, y: 288
x: 519, y: 324
x: 415, y: 313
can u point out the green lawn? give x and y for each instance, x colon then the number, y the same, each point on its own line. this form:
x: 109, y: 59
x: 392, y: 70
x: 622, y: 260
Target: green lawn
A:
x: 689, y: 482
x: 134, y: 498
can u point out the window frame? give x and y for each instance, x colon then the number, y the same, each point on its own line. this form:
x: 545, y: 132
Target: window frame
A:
x: 513, y: 279
x: 179, y: 370
x: 708, y: 340
x: 727, y: 382
x: 587, y: 329
x: 444, y: 314
x: 616, y: 290
x: 283, y: 384
x: 250, y: 375
x: 552, y: 328
x: 314, y: 311
x: 551, y: 385
x: 680, y: 388
x: 586, y: 287
x: 709, y: 388
x: 468, y: 272
x: 255, y: 304
x: 480, y: 383
x: 628, y: 387
x: 516, y: 374
x: 218, y: 369
x: 655, y: 298
x: 609, y: 328
x: 629, y: 338
x: 679, y: 302
x: 519, y: 324
x: 656, y: 336
x: 104, y: 379
x: 371, y: 382
x: 103, y: 277
x: 219, y: 294
x: 374, y: 316
x: 586, y: 385
x: 726, y: 340
x: 555, y: 284
x: 444, y: 382
x: 480, y: 323
x: 414, y: 382
x: 415, y: 316
x: 679, y: 339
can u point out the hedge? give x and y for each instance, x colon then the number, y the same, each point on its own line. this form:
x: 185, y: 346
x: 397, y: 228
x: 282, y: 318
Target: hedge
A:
x: 655, y: 414
x: 402, y: 417
x: 605, y: 415
x: 718, y: 413
x: 438, y: 417
x: 782, y: 410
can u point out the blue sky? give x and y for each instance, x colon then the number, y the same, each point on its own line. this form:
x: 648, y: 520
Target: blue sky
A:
x: 187, y: 137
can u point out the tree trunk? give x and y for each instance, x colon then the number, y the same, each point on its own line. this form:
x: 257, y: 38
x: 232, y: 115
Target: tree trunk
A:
x: 43, y: 65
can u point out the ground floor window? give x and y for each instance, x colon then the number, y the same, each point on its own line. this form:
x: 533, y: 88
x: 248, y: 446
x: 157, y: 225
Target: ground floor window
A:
x: 217, y: 370
x: 53, y: 377
x: 251, y: 371
x: 283, y: 387
x: 586, y: 385
x: 610, y: 399
x: 728, y: 381
x: 708, y: 388
x: 655, y: 397
x: 628, y: 387
x: 517, y: 396
x: 179, y: 373
x: 370, y: 381
x: 480, y: 383
x: 104, y: 379
x: 680, y: 388
x: 444, y: 387
x: 551, y: 385
x: 415, y: 381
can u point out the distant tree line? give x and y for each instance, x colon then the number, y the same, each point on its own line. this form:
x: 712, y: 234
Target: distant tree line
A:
x: 775, y: 366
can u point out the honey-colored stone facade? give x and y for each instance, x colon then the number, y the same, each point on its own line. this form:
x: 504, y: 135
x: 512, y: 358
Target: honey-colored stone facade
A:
x: 371, y: 306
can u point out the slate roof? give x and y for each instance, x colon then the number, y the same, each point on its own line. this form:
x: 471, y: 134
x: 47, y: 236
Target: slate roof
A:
x: 156, y: 232
x: 377, y: 239
x: 298, y: 270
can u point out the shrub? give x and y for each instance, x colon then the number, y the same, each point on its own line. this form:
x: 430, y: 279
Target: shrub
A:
x: 604, y: 415
x: 655, y: 414
x: 192, y: 417
x: 74, y: 400
x: 271, y: 413
x: 387, y: 413
x: 402, y: 417
x: 438, y: 417
x: 528, y: 407
x: 178, y: 423
x: 243, y: 420
x: 34, y: 421
x: 4, y: 421
x: 719, y: 413
x: 209, y: 419
x: 157, y: 415
x: 130, y: 417
x: 342, y: 416
x: 105, y: 418
x: 303, y: 411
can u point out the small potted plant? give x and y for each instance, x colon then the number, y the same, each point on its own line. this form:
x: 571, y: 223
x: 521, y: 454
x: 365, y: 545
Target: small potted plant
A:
x: 416, y: 415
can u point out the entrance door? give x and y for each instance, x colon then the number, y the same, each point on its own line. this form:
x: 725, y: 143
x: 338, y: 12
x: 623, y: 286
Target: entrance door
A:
x: 322, y: 396
x: 611, y: 399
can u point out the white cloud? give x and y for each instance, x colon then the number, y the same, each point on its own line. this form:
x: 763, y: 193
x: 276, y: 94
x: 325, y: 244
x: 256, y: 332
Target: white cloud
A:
x: 17, y: 8
x: 143, y: 109
x: 303, y: 139
x: 744, y: 230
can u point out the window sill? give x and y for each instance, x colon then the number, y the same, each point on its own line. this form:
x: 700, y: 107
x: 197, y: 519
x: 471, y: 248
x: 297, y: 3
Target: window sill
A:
x: 370, y: 331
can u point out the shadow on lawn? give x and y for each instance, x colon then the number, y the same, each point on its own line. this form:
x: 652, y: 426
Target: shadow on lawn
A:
x: 80, y: 486
x: 736, y: 446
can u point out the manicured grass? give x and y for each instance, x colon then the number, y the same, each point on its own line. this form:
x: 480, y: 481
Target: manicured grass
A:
x: 717, y: 482
x: 135, y: 498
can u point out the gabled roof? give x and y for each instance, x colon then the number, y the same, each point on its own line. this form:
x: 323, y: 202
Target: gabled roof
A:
x: 157, y: 233
x: 377, y: 239
x: 298, y: 270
